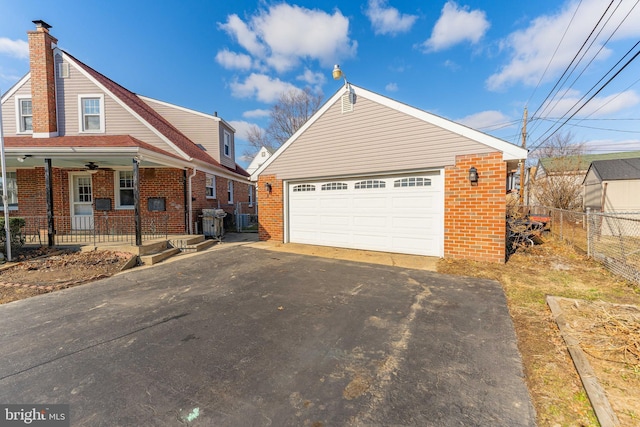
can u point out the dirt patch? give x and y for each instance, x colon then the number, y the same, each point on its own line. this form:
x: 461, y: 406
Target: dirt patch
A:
x: 44, y: 270
x: 609, y: 335
x: 554, y: 268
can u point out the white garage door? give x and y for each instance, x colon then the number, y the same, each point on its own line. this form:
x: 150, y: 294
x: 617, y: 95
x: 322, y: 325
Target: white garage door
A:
x: 401, y: 214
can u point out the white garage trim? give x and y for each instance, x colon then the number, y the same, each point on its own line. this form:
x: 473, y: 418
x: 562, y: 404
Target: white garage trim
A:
x: 390, y: 213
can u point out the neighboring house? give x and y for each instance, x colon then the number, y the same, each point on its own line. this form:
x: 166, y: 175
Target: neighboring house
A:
x: 369, y: 172
x: 568, y: 172
x: 259, y: 159
x: 613, y: 185
x: 78, y: 146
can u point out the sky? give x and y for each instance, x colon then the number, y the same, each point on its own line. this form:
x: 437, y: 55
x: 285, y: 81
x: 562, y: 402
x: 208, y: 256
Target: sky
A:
x: 480, y: 63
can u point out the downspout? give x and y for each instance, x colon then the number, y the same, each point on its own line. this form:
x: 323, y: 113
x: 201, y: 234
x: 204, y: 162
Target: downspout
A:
x: 190, y: 200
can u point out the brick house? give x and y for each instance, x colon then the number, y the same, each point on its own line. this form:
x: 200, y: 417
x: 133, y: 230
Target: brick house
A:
x: 81, y: 148
x: 368, y: 172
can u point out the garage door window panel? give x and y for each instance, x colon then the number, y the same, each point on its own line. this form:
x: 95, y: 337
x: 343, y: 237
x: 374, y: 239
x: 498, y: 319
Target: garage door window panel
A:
x: 331, y: 186
x: 412, y: 182
x: 369, y: 183
x: 304, y: 187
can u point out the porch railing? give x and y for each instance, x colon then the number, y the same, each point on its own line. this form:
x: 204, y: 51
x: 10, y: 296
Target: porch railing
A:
x: 93, y: 230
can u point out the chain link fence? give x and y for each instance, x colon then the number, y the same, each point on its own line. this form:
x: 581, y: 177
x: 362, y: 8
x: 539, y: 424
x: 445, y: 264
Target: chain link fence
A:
x: 612, y: 238
x: 246, y: 217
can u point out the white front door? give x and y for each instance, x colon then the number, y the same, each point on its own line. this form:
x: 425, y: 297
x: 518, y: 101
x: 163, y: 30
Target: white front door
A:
x: 403, y: 214
x: 81, y: 202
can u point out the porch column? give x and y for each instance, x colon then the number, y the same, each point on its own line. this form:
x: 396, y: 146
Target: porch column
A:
x: 49, y: 193
x: 136, y: 201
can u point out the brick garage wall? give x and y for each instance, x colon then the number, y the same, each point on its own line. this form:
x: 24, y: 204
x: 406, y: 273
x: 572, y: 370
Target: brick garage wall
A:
x: 475, y: 215
x: 271, y: 217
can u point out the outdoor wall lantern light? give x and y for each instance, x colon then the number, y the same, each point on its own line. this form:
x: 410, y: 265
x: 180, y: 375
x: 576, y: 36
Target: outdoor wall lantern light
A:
x: 473, y: 176
x: 267, y: 187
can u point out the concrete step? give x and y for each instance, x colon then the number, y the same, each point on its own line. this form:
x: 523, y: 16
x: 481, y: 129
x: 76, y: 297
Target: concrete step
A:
x: 200, y: 246
x: 157, y: 257
x: 184, y: 241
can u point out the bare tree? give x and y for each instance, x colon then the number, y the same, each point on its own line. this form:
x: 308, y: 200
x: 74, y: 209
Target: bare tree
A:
x: 292, y: 110
x: 558, y: 180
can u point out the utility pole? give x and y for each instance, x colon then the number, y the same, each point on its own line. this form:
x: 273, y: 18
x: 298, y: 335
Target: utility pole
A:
x: 524, y: 145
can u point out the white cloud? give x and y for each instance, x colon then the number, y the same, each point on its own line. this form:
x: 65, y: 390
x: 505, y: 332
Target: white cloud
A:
x: 391, y: 87
x: 15, y: 48
x: 314, y: 79
x: 284, y: 34
x: 597, y: 107
x: 453, y: 66
x: 531, y: 49
x: 486, y: 120
x: 241, y: 128
x: 456, y: 25
x: 258, y: 113
x: 232, y: 60
x: 388, y: 20
x: 261, y: 86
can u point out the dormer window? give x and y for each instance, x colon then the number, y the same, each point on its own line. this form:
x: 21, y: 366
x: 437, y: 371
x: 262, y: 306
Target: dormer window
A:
x: 91, y: 113
x: 227, y: 144
x: 25, y: 115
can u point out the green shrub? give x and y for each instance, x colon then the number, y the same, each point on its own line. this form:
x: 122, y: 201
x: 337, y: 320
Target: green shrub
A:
x: 15, y: 226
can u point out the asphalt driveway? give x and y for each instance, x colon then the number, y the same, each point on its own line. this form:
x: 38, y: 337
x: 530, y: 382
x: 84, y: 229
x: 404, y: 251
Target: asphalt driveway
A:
x: 249, y: 337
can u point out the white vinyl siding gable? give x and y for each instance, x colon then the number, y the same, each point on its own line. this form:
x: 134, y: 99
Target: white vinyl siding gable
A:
x: 372, y: 139
x: 227, y: 160
x: 118, y: 120
x: 201, y: 129
x: 10, y: 109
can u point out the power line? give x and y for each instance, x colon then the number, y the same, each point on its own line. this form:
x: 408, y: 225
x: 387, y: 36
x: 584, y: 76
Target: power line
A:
x: 573, y: 60
x: 598, y: 52
x: 595, y: 94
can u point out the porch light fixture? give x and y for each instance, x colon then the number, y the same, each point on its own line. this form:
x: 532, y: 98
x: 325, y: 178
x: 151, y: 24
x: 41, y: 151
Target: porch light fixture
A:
x: 473, y: 176
x: 21, y: 159
x: 267, y: 187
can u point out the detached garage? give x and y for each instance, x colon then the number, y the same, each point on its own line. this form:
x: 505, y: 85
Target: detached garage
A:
x: 368, y: 172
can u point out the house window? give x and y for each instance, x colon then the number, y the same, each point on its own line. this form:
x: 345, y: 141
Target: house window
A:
x: 230, y: 192
x: 334, y: 186
x: 124, y: 189
x: 227, y: 144
x: 304, y: 187
x: 251, y: 195
x: 370, y: 183
x: 91, y: 113
x: 210, y: 186
x: 25, y: 115
x: 12, y: 191
x: 412, y: 182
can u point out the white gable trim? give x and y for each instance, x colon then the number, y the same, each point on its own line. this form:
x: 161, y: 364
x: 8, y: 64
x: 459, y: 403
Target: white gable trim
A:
x: 509, y: 151
x: 126, y: 107
x: 15, y: 88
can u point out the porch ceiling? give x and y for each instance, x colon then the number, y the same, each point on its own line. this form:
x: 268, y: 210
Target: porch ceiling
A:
x: 124, y: 161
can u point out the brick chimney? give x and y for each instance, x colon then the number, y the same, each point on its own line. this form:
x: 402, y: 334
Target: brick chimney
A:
x: 43, y: 81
